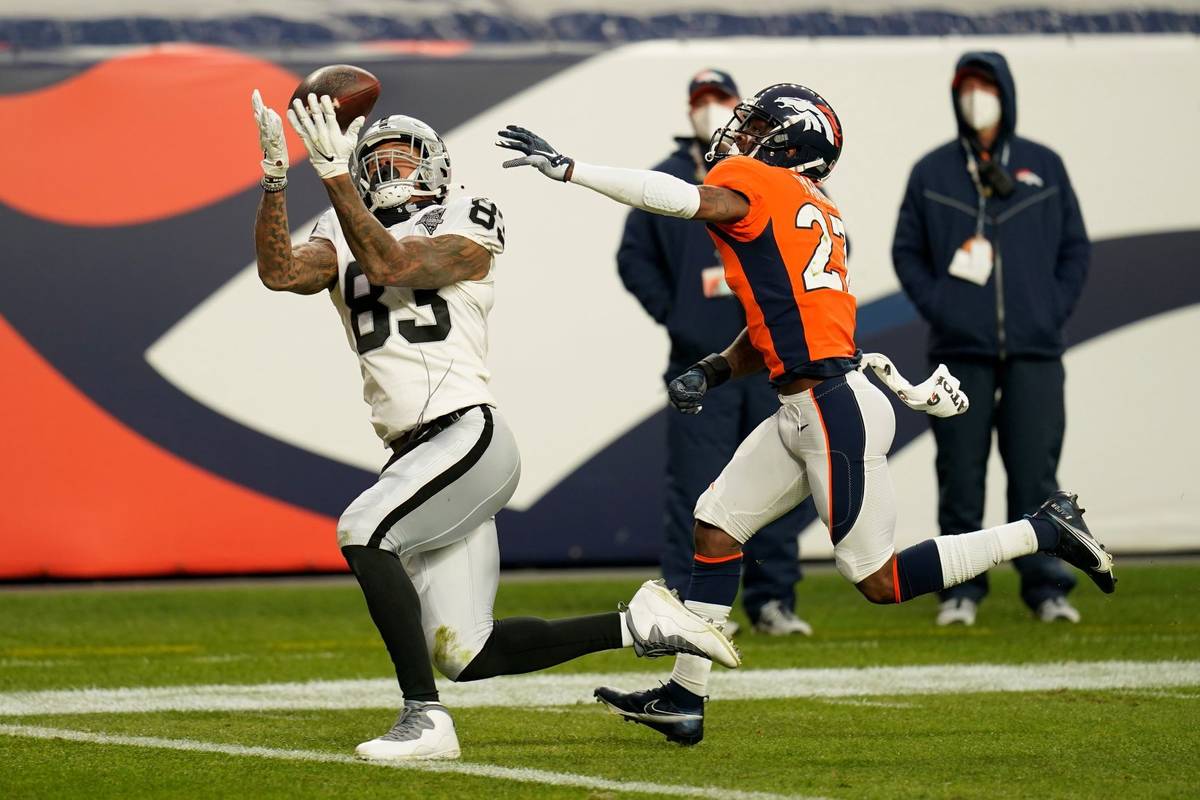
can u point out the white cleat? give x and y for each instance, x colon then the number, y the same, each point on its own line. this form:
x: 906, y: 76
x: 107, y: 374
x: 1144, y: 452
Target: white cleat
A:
x: 422, y: 731
x: 776, y: 619
x: 662, y: 626
x: 957, y: 611
x: 1053, y: 609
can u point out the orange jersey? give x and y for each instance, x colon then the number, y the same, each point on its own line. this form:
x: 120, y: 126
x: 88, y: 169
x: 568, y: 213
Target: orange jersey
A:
x: 786, y: 262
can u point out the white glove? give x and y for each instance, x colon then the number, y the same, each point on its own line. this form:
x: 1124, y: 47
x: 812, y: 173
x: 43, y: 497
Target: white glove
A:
x: 329, y: 149
x: 938, y: 396
x: 539, y: 153
x: 270, y: 138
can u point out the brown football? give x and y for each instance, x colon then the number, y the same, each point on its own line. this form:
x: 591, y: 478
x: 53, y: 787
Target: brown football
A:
x: 353, y: 89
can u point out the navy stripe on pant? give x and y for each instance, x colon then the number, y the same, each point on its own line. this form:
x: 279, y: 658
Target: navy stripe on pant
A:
x: 847, y: 436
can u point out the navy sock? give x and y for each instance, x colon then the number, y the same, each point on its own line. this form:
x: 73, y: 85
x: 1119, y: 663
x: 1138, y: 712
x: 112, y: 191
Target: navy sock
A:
x: 715, y: 580
x: 1046, y: 532
x: 689, y: 701
x: 918, y: 570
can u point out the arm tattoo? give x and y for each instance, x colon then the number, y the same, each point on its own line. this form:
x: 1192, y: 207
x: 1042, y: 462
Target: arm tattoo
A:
x: 413, y: 261
x: 742, y: 356
x: 721, y: 205
x: 437, y: 262
x: 306, y: 269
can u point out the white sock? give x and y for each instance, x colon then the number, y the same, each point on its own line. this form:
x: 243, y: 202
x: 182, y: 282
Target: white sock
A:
x: 691, y: 672
x: 966, y: 555
x: 626, y: 636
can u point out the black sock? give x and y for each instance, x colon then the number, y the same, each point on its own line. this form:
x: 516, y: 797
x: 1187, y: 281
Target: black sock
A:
x: 396, y: 610
x: 526, y: 644
x: 684, y: 698
x: 1045, y: 531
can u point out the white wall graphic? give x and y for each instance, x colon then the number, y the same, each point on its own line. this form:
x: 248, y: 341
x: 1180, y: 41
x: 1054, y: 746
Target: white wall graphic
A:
x: 1111, y: 106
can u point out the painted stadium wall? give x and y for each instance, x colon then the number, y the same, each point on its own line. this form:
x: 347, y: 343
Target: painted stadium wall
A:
x: 166, y: 414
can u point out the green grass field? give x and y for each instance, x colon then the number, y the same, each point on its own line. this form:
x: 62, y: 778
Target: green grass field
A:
x: 1135, y: 740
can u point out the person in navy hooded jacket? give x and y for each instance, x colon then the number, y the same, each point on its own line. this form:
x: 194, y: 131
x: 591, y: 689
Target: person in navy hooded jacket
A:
x: 990, y: 247
x: 672, y: 269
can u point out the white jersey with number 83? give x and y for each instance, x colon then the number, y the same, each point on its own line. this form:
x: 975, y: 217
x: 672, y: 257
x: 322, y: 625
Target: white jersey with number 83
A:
x: 422, y: 352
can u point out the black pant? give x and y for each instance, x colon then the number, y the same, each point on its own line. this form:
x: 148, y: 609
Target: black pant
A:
x: 1022, y: 399
x: 698, y: 447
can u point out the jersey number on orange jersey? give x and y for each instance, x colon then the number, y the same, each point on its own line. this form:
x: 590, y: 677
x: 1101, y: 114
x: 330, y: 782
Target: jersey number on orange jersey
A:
x: 819, y: 273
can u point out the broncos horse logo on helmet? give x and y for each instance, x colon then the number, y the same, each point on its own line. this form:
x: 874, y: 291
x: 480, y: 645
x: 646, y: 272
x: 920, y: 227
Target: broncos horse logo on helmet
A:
x: 386, y: 180
x: 785, y: 125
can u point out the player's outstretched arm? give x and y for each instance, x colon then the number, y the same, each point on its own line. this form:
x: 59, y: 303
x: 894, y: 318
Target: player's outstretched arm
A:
x: 306, y: 269
x: 414, y: 261
x: 651, y: 191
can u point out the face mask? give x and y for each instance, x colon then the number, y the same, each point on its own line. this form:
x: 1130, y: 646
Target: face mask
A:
x: 707, y: 118
x: 980, y: 109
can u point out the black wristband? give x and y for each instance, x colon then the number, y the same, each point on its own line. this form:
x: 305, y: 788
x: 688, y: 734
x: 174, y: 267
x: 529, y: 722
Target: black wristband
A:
x: 716, y: 369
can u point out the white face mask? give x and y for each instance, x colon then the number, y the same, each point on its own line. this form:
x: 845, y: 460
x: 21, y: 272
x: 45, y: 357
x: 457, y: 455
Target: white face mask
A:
x: 707, y: 118
x: 980, y: 109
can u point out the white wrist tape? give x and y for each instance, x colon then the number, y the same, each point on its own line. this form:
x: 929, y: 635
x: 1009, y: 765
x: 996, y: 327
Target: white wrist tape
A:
x: 646, y: 189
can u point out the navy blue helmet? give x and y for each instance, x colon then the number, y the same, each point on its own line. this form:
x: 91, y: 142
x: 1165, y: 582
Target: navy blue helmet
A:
x: 785, y: 125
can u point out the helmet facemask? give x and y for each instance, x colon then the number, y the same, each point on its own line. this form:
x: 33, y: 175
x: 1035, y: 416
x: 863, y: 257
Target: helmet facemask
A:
x: 391, y: 175
x: 755, y: 132
x: 748, y: 130
x: 400, y: 161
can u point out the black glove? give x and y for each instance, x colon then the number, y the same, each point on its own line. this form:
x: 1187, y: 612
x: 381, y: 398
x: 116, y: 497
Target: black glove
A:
x: 539, y: 153
x: 686, y: 391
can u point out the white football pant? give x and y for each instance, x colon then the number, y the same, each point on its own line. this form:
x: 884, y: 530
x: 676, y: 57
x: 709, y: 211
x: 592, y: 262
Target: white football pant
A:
x: 435, y: 507
x: 830, y: 442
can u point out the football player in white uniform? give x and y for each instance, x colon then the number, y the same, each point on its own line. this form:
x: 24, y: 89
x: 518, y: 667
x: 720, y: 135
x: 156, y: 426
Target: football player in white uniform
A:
x: 410, y: 272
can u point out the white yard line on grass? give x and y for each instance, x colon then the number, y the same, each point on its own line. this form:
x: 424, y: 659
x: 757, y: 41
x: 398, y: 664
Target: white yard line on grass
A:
x: 562, y: 689
x: 520, y: 774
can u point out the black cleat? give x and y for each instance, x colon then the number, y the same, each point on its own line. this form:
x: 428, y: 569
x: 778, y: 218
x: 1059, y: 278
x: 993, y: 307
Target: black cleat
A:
x: 655, y: 709
x: 1076, y: 545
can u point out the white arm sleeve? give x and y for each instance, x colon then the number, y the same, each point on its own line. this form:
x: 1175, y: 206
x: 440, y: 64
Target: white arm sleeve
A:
x: 656, y: 192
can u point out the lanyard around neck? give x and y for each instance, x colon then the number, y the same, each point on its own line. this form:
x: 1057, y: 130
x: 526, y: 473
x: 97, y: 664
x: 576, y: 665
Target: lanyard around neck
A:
x: 980, y: 191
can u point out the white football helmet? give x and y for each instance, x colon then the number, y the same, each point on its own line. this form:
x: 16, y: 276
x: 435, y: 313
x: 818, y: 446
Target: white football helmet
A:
x: 385, y: 181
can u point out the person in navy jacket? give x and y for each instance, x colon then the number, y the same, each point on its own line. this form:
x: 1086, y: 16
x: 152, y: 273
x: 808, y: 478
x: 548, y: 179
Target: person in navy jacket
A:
x: 672, y: 268
x: 991, y: 248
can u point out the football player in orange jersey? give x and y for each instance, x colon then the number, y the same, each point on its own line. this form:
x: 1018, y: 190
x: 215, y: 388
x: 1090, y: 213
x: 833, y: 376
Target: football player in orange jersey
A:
x: 783, y: 246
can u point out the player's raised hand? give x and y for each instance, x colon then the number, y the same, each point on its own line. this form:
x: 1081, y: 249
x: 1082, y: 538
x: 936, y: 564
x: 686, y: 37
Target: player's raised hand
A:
x: 686, y: 391
x: 538, y: 153
x: 270, y: 139
x: 329, y: 149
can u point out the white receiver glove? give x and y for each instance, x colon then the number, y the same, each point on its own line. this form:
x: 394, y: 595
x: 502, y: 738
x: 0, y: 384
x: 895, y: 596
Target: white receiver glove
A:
x: 329, y: 149
x: 270, y: 138
x: 938, y: 396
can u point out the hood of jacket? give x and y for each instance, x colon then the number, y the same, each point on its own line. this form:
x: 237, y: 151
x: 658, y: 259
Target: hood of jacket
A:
x: 995, y: 65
